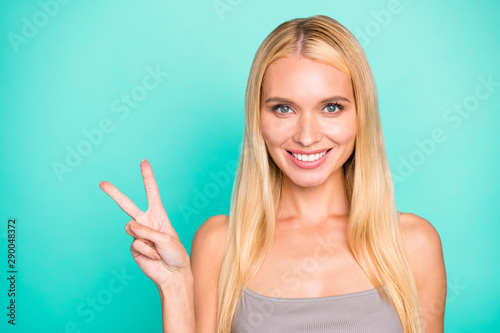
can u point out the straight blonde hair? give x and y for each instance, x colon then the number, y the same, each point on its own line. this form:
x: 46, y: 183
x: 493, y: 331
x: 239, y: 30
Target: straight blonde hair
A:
x: 373, y: 229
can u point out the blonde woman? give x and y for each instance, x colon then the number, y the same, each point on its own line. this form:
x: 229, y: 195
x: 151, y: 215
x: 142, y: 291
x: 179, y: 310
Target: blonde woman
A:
x: 313, y: 241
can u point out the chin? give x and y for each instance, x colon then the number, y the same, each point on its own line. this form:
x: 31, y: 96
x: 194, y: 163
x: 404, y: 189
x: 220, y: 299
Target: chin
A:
x: 307, y: 181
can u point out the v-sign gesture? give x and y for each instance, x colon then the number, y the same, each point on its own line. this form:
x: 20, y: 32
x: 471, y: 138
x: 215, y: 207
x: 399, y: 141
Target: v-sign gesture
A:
x: 152, y: 231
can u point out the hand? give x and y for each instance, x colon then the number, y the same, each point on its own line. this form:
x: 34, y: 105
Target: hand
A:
x: 153, y: 234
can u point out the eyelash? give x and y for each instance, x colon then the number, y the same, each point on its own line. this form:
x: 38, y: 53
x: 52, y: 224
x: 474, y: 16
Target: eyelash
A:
x: 275, y: 108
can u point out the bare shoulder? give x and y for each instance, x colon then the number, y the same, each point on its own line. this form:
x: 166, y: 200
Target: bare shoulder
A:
x: 208, y: 244
x: 207, y: 253
x: 212, y: 230
x: 418, y: 233
x: 422, y: 243
x: 425, y: 253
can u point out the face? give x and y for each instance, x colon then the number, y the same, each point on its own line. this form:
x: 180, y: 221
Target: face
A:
x: 308, y: 118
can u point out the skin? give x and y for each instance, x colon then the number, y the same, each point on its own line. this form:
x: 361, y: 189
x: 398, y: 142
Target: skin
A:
x: 307, y: 124
x: 157, y: 250
x: 314, y: 205
x: 310, y: 256
x: 313, y: 214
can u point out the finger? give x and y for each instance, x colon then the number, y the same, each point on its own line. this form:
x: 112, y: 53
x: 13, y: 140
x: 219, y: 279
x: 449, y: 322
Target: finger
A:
x: 145, y: 232
x: 150, y: 185
x: 121, y: 199
x: 139, y: 246
x: 131, y: 233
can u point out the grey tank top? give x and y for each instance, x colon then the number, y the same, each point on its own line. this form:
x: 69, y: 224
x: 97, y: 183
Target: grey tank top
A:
x: 363, y: 311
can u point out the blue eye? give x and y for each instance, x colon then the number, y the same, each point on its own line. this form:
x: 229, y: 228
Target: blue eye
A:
x: 282, y: 107
x: 331, y: 108
x: 335, y: 107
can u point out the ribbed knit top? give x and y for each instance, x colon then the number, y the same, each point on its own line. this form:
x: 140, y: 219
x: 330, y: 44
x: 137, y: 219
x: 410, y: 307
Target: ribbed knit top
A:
x: 359, y: 312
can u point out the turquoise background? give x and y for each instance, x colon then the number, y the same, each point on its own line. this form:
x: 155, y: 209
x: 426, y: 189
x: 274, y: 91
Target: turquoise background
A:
x: 69, y: 75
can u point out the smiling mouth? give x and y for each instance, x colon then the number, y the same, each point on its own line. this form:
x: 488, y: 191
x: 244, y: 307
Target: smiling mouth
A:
x: 309, y: 158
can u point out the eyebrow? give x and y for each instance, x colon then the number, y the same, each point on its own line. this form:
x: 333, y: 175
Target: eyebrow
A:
x: 330, y: 99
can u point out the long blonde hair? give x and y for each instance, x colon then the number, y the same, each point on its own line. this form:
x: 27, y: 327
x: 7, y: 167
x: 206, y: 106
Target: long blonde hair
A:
x: 373, y: 229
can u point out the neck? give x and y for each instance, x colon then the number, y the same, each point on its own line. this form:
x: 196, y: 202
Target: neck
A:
x: 311, y: 205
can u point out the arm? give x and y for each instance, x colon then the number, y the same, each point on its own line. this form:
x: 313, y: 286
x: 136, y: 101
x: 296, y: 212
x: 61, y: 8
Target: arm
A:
x: 425, y: 253
x: 207, y: 252
x: 177, y: 305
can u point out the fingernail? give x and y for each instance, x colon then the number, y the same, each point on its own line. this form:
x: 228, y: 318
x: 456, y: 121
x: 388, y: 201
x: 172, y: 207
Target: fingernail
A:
x: 143, y: 160
x: 156, y: 255
x: 100, y: 184
x: 135, y: 225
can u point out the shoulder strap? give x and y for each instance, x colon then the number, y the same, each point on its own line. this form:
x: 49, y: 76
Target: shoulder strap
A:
x: 399, y: 213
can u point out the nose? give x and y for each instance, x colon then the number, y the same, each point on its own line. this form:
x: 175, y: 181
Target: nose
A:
x: 308, y: 129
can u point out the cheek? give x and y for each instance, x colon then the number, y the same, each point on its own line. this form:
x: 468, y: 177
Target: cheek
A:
x: 274, y: 131
x: 341, y: 133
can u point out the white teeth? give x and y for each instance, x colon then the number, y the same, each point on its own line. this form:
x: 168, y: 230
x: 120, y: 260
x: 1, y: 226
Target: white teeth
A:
x: 309, y: 158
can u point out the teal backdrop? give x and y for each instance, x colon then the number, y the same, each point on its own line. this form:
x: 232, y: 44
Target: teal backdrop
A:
x: 90, y: 88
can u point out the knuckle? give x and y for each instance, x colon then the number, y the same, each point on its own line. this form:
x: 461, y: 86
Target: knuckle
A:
x: 151, y: 188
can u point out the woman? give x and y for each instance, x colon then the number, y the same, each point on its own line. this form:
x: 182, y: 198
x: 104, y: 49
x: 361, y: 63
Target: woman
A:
x: 313, y: 241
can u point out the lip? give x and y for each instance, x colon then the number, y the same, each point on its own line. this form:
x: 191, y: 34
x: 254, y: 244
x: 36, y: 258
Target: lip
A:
x: 307, y: 152
x: 308, y: 165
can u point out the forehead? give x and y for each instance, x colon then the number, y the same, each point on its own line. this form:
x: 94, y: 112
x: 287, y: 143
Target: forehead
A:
x: 301, y: 78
